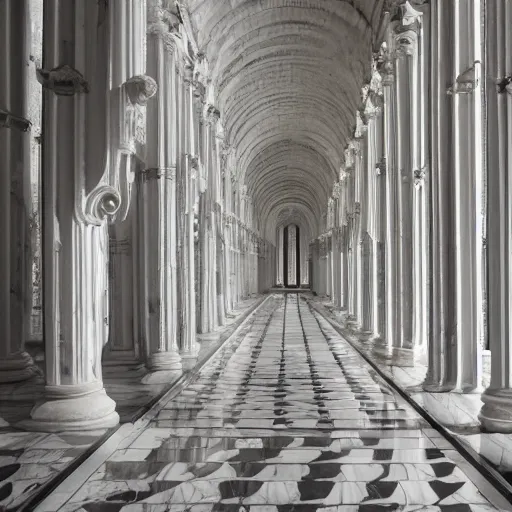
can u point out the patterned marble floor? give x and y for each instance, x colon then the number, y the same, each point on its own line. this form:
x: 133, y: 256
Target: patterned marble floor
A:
x: 286, y: 418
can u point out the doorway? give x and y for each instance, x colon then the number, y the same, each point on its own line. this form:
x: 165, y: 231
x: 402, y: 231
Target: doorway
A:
x: 291, y: 256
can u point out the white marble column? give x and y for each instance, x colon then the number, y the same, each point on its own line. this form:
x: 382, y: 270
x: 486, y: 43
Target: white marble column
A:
x: 496, y: 414
x: 388, y: 170
x: 454, y: 349
x: 80, y: 193
x: 15, y: 257
x: 405, y: 43
x: 157, y: 210
x: 186, y: 177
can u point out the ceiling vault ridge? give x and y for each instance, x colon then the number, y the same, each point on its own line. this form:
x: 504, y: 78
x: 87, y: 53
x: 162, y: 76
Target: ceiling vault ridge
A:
x: 291, y: 82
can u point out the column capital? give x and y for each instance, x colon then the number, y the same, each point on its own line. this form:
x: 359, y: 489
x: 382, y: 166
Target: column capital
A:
x: 164, y: 22
x: 385, y: 64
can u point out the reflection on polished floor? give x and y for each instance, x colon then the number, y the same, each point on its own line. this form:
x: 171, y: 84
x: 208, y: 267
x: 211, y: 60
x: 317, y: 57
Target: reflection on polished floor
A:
x: 287, y: 417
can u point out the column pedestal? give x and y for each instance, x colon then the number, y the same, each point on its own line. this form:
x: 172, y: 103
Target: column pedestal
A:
x: 73, y: 408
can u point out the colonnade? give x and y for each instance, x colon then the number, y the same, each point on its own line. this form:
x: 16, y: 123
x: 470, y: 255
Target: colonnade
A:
x: 415, y: 249
x: 148, y: 237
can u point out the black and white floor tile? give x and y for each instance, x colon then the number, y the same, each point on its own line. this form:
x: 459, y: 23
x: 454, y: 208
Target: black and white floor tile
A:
x: 287, y: 419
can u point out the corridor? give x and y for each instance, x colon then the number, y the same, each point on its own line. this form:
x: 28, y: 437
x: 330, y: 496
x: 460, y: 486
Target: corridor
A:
x: 286, y: 417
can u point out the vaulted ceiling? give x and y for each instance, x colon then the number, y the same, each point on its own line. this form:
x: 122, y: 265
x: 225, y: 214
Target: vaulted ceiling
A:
x: 288, y: 77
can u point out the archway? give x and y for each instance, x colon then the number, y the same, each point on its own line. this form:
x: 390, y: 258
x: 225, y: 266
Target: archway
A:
x: 291, y: 256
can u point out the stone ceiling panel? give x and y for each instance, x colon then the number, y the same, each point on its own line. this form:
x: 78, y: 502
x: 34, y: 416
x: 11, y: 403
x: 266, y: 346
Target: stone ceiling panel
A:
x: 288, y: 77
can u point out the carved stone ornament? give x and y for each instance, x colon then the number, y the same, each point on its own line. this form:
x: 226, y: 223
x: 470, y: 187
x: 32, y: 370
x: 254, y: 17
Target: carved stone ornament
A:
x: 165, y: 23
x: 193, y: 161
x: 406, y: 43
x: 419, y: 177
x: 467, y: 81
x: 156, y: 173
x: 344, y: 174
x: 357, y: 208
x: 361, y: 125
x: 104, y: 201
x: 504, y: 85
x: 212, y: 115
x: 385, y: 65
x: 380, y: 167
x: 140, y: 89
x: 410, y: 18
x: 63, y: 80
x: 9, y: 120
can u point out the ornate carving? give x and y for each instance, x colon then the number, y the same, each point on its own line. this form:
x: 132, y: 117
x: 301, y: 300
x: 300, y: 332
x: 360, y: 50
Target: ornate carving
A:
x: 104, y: 201
x: 165, y: 23
x: 419, y: 177
x: 63, y: 80
x: 357, y: 208
x: 140, y: 89
x: 9, y: 120
x: 361, y: 125
x: 410, y: 18
x: 385, y: 64
x: 504, y: 85
x: 467, y: 81
x: 406, y: 43
x: 380, y: 167
x: 336, y: 190
x: 212, y: 115
x: 167, y: 173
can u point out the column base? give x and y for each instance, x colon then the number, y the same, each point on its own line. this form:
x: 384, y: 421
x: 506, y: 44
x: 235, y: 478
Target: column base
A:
x: 381, y: 349
x: 163, y: 367
x: 17, y: 367
x: 402, y: 357
x: 366, y: 336
x: 73, y: 408
x: 496, y: 413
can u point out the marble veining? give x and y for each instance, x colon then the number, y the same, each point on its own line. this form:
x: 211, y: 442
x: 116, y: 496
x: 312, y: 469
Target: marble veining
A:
x: 285, y: 418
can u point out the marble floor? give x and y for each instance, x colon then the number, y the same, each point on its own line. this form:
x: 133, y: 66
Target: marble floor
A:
x: 287, y: 417
x: 456, y: 413
x: 32, y: 461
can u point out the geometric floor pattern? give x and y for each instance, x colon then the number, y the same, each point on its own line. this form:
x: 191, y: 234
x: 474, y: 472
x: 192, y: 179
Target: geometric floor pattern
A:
x: 287, y: 418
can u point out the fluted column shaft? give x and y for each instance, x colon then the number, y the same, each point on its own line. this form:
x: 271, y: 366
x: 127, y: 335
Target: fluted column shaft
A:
x: 392, y: 183
x: 405, y: 84
x: 15, y: 258
x: 496, y: 414
x: 456, y: 288
x: 80, y: 194
x: 157, y: 218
